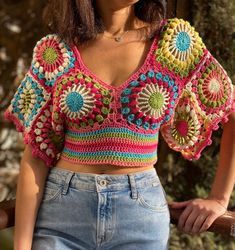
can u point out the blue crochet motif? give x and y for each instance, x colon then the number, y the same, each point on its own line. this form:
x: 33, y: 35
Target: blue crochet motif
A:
x: 17, y: 96
x: 23, y: 83
x: 41, y: 76
x: 125, y: 99
x: 39, y: 99
x: 74, y: 101
x: 171, y: 83
x: 37, y: 105
x: 49, y: 83
x: 71, y: 65
x: 183, y: 41
x: 151, y: 73
x: 65, y: 71
x: 35, y: 71
x: 166, y: 78
x: 38, y: 91
x: 155, y: 125
x: 21, y: 116
x: 26, y: 124
x: 146, y: 125
x: 134, y: 83
x: 175, y: 95
x: 125, y: 110
x: 142, y: 77
x: 131, y: 117
x: 138, y: 121
x: 34, y: 85
x: 16, y: 109
x: 158, y: 75
x: 127, y: 91
x: 20, y: 90
x: 175, y: 88
x: 167, y: 118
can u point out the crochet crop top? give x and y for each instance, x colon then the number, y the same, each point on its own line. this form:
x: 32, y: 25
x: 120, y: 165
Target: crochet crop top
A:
x: 65, y: 111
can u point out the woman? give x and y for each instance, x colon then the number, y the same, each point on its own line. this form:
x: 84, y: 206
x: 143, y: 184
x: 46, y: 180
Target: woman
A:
x: 100, y: 88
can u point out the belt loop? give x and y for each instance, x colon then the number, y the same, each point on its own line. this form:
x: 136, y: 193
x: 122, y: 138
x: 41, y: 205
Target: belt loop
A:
x: 67, y: 182
x: 133, y: 186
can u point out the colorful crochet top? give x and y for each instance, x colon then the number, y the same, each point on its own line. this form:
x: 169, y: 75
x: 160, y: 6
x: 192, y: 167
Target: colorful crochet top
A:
x: 65, y: 111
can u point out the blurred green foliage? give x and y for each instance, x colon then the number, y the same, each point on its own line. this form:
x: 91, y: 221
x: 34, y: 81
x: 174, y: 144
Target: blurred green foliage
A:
x: 215, y: 21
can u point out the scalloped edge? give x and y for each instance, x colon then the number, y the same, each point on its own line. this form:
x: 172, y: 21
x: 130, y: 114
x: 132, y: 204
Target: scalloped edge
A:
x: 8, y: 116
x: 28, y: 139
x: 214, y: 126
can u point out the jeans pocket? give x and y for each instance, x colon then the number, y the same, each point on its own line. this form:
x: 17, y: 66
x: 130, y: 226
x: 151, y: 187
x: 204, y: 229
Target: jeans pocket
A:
x: 152, y: 197
x: 52, y: 191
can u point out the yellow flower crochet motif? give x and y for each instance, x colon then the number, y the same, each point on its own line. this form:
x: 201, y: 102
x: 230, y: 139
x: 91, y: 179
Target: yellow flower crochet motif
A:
x: 180, y: 47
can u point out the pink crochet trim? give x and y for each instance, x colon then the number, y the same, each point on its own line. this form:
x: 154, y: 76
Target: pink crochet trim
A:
x: 208, y: 142
x: 144, y: 67
x: 10, y: 117
x: 29, y: 139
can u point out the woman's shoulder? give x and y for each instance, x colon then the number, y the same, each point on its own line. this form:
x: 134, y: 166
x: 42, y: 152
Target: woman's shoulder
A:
x: 180, y: 46
x: 52, y: 57
x: 175, y: 21
x: 182, y: 27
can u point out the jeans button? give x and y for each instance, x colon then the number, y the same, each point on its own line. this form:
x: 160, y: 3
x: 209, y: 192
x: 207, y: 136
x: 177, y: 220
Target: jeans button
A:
x: 103, y: 182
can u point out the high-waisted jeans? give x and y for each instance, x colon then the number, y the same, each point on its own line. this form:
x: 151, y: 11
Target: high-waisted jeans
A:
x: 102, y: 211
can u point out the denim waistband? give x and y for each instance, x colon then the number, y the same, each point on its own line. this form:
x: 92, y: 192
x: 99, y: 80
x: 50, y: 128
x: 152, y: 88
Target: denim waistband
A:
x: 103, y: 182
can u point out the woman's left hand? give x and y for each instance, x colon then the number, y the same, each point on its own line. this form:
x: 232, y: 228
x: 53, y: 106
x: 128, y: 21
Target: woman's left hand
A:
x: 198, y: 215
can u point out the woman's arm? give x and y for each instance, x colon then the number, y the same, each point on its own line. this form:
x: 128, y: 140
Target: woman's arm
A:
x: 30, y: 185
x: 225, y: 175
x: 199, y: 214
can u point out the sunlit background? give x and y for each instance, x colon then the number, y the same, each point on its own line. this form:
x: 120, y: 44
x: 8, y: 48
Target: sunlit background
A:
x: 20, y: 28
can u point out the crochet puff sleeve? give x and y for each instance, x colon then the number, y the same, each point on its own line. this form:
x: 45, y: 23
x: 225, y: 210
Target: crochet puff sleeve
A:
x: 31, y: 108
x: 206, y: 96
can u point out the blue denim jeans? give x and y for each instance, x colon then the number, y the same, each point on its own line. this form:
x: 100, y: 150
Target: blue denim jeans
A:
x: 102, y: 211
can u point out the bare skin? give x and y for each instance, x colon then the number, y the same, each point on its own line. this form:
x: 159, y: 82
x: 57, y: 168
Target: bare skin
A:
x: 30, y: 185
x: 199, y: 214
x: 126, y: 58
x: 116, y: 65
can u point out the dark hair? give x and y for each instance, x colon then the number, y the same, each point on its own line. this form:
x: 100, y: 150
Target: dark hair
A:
x: 77, y: 21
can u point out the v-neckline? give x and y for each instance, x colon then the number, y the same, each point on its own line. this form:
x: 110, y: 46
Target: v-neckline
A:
x: 129, y: 79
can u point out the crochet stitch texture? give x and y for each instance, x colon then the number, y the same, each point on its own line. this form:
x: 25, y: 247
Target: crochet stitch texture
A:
x: 64, y: 110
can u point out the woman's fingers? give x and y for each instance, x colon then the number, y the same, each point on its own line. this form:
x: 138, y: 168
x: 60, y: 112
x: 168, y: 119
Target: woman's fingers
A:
x: 208, y: 222
x: 180, y: 204
x: 198, y: 222
x: 183, y: 217
x: 192, y: 221
x: 199, y: 215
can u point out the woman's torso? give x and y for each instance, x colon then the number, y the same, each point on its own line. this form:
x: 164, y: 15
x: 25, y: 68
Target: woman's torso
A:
x: 117, y: 61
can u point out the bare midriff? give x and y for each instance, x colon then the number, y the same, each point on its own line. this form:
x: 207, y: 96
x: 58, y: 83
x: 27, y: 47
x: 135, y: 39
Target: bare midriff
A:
x: 99, y: 169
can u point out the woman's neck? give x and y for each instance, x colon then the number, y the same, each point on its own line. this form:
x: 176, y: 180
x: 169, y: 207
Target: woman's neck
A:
x: 118, y: 18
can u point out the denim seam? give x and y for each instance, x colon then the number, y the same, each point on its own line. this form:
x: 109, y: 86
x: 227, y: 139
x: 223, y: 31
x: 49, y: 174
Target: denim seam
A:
x: 67, y: 183
x: 134, y: 194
